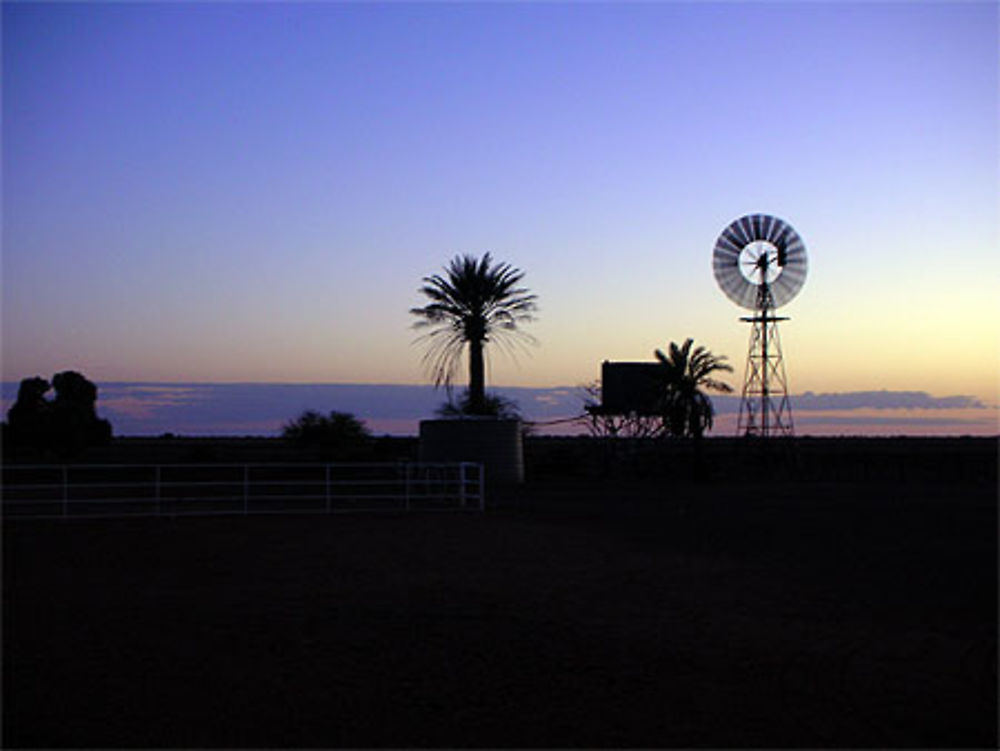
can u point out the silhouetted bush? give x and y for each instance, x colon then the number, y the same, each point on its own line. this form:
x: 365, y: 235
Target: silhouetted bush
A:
x: 64, y: 426
x: 339, y: 436
x: 493, y: 405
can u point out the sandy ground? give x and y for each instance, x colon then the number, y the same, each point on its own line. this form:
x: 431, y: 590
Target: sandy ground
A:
x: 592, y: 615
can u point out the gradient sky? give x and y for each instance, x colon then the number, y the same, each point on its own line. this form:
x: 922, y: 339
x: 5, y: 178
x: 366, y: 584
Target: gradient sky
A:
x: 233, y: 192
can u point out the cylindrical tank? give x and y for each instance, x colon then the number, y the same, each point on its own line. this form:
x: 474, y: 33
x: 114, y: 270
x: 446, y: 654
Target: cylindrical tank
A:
x: 493, y: 442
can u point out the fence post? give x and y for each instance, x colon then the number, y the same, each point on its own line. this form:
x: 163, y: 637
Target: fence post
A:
x: 482, y: 492
x: 406, y: 484
x: 65, y: 491
x: 246, y: 488
x: 328, y: 503
x: 461, y: 484
x: 156, y: 480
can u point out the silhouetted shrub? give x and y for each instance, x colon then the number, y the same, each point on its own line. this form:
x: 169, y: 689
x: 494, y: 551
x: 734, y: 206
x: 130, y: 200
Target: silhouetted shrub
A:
x: 64, y: 426
x: 493, y: 405
x: 337, y: 436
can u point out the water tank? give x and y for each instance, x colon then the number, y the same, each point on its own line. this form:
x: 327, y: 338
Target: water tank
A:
x: 628, y: 387
x: 494, y: 443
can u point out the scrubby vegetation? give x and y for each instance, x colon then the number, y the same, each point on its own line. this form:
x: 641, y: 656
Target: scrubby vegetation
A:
x: 494, y: 405
x: 338, y: 436
x: 39, y: 428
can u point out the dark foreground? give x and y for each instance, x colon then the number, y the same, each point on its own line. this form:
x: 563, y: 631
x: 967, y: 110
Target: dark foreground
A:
x: 811, y: 615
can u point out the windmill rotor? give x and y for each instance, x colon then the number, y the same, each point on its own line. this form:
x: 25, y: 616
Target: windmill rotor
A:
x: 755, y: 250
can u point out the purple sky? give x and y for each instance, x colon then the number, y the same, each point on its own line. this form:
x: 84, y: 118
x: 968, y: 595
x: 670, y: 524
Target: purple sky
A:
x: 251, y: 192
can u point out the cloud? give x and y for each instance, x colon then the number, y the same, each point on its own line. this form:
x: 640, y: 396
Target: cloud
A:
x: 884, y: 400
x: 873, y: 420
x: 144, y: 402
x: 263, y: 408
x: 855, y: 400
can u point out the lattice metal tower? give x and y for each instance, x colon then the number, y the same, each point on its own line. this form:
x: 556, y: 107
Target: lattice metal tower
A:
x: 760, y: 263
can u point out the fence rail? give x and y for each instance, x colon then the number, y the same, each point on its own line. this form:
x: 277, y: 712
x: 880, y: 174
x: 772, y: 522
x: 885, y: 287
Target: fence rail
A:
x: 45, y: 491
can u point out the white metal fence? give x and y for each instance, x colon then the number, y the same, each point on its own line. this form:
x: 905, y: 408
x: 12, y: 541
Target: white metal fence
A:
x: 91, y: 491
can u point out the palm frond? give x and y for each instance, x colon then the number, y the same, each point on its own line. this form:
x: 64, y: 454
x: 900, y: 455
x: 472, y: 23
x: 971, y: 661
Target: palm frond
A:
x: 686, y: 371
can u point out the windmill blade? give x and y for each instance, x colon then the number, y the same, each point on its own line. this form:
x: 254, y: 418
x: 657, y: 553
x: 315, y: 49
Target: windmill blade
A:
x: 781, y: 293
x: 795, y: 255
x: 736, y: 236
x: 794, y: 273
x: 728, y: 245
x: 770, y: 229
x: 748, y: 296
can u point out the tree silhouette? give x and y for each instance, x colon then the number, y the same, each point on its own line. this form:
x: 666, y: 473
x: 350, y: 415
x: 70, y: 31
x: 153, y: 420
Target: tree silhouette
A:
x: 29, y: 417
x: 337, y: 436
x: 75, y: 414
x: 475, y: 303
x: 65, y: 425
x: 687, y: 410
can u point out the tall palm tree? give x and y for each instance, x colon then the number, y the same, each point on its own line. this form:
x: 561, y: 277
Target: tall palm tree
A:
x: 687, y: 409
x: 476, y: 302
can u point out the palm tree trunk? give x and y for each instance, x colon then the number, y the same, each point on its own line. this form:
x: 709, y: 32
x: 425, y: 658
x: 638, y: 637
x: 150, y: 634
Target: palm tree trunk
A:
x: 477, y: 378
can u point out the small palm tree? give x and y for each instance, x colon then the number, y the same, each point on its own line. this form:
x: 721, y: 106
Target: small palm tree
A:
x: 476, y: 302
x: 687, y: 409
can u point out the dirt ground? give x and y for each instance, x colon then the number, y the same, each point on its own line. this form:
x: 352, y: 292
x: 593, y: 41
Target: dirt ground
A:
x: 586, y: 615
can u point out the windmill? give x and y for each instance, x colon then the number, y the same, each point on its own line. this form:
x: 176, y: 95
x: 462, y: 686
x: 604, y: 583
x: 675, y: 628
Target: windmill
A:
x: 760, y: 263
